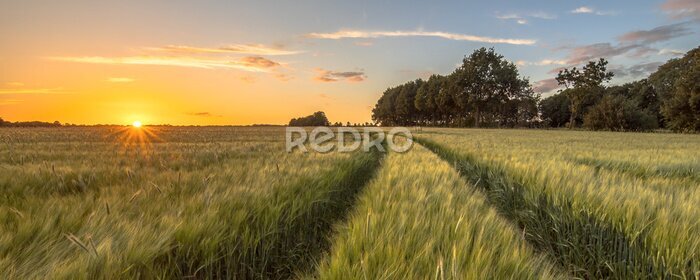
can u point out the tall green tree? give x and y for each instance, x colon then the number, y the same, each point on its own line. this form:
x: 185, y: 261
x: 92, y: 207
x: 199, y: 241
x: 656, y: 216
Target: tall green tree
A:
x: 590, y: 78
x: 445, y: 100
x: 485, y: 82
x: 426, y: 95
x: 405, y: 102
x: 383, y: 111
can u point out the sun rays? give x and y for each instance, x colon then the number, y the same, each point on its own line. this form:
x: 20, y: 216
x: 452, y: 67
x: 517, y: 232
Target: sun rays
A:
x: 137, y: 136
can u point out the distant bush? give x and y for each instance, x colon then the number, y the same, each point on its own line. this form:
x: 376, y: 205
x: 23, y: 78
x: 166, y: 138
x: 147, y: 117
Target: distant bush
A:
x: 316, y: 119
x: 616, y: 113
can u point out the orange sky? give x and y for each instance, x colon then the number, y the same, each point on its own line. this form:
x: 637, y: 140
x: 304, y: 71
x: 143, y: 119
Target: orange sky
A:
x: 90, y: 93
x: 48, y: 88
x: 93, y: 63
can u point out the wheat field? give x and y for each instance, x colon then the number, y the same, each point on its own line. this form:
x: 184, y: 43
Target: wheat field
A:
x: 616, y: 205
x: 231, y: 203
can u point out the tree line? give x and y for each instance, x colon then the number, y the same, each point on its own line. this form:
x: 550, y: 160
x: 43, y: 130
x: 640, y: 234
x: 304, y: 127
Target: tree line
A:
x: 4, y: 123
x: 487, y: 91
x: 668, y: 98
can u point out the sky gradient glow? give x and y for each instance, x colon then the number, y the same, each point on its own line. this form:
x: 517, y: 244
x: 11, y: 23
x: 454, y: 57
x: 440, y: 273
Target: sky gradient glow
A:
x: 246, y: 62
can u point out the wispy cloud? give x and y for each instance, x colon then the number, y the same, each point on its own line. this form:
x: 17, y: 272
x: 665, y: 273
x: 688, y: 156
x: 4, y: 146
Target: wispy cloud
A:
x: 10, y: 101
x: 248, y: 79
x: 671, y: 52
x: 364, y: 43
x: 32, y: 91
x: 636, y: 70
x: 258, y: 61
x: 19, y: 88
x: 595, y: 51
x: 333, y: 76
x: 522, y: 18
x: 582, y: 10
x: 359, y: 34
x: 516, y: 18
x: 644, y: 69
x: 542, y: 15
x: 250, y: 64
x: 120, y: 80
x: 544, y: 62
x: 556, y: 70
x: 591, y: 10
x: 283, y: 77
x: 14, y: 84
x: 682, y: 8
x: 508, y: 16
x: 544, y: 86
x: 254, y: 49
x: 203, y: 114
x: 642, y: 51
x: 658, y: 34
x: 634, y: 44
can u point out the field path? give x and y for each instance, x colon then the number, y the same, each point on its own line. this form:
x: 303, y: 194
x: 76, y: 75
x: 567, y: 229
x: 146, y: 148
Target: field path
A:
x: 582, y: 243
x: 418, y: 219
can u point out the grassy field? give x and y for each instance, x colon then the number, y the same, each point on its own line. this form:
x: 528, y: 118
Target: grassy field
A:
x: 605, y: 205
x: 167, y: 203
x: 230, y: 203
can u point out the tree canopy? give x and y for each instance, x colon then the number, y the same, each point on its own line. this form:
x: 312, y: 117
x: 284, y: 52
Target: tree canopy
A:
x: 485, y: 90
x: 582, y: 84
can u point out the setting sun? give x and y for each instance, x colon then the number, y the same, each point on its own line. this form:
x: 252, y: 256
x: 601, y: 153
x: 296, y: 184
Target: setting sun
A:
x: 136, y: 124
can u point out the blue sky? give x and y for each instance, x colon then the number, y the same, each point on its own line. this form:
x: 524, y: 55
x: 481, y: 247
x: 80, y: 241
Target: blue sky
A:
x: 317, y: 55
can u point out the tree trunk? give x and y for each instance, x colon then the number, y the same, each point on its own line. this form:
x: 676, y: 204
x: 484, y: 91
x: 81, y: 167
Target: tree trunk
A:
x: 476, y: 117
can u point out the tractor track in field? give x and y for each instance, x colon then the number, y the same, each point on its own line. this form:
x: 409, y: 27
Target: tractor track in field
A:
x: 296, y: 241
x: 581, y: 243
x: 313, y: 235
